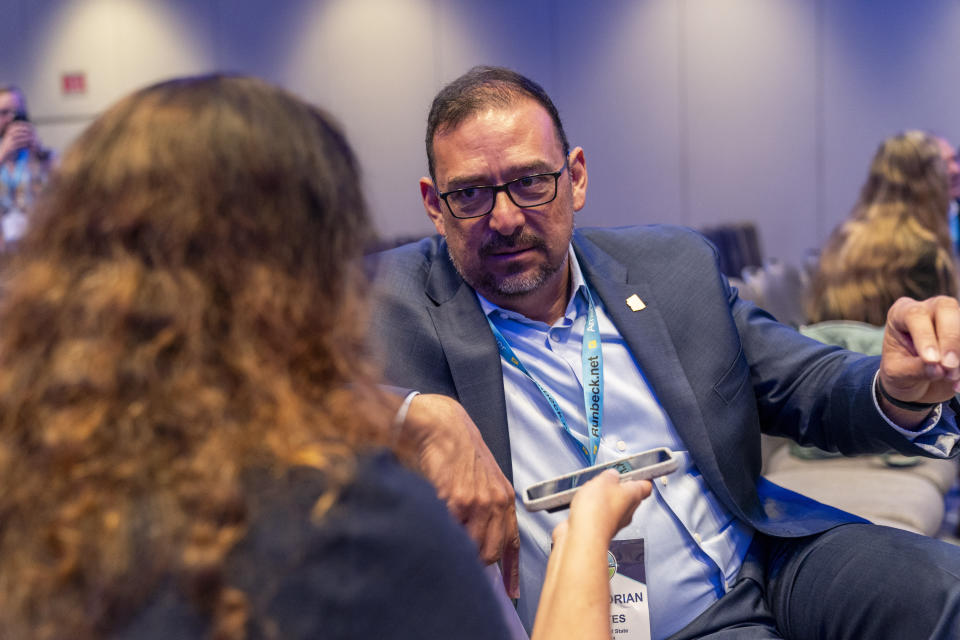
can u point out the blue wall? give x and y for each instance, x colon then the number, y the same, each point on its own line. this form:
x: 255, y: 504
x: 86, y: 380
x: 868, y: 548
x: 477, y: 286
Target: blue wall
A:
x: 690, y: 111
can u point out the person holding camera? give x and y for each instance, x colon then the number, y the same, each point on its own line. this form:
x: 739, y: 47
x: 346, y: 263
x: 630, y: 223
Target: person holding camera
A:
x: 24, y: 163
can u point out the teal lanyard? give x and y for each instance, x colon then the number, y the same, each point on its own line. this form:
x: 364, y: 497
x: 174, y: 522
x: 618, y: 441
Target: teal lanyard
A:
x: 591, y: 356
x: 13, y: 181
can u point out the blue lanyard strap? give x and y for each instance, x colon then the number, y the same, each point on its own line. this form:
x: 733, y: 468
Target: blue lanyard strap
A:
x: 13, y: 181
x: 591, y: 355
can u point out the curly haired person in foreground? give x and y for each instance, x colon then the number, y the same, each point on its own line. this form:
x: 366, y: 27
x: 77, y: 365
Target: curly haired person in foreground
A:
x: 190, y: 443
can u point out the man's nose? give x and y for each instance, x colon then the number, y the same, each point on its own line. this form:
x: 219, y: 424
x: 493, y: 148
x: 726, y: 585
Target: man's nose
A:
x: 505, y: 217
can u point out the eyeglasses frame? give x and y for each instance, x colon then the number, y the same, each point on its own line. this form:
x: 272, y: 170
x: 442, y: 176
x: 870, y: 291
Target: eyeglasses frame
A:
x: 505, y: 187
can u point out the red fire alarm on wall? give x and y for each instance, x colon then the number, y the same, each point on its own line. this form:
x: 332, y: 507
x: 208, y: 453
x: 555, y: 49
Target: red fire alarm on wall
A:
x: 73, y: 83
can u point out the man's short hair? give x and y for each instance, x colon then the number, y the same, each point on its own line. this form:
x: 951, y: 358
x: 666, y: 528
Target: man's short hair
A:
x: 480, y: 88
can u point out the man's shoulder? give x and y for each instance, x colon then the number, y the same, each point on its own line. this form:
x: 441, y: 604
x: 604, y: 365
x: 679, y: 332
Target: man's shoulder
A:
x: 650, y: 241
x: 404, y: 275
x: 407, y: 261
x: 420, y: 250
x: 647, y: 234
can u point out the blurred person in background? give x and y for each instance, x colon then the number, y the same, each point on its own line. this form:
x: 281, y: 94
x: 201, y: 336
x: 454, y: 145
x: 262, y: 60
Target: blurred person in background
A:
x: 949, y: 154
x: 190, y: 442
x: 952, y: 166
x: 24, y: 163
x: 896, y: 241
x: 865, y: 267
x: 894, y: 244
x: 908, y: 174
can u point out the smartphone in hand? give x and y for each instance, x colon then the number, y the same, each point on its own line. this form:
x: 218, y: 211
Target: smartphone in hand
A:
x: 555, y: 494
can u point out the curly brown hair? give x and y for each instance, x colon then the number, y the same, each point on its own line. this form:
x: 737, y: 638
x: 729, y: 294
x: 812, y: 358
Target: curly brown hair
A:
x: 185, y: 306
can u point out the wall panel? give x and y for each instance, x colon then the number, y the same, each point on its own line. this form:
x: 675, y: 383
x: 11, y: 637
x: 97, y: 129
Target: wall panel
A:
x: 750, y: 116
x: 618, y: 88
x: 690, y: 111
x: 888, y: 67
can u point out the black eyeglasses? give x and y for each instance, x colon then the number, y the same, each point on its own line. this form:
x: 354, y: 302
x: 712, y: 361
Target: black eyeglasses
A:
x: 525, y: 192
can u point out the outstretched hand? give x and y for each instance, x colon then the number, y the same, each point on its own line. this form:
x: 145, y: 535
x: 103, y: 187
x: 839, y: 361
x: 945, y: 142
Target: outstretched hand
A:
x: 921, y: 350
x: 605, y: 505
x: 575, y: 601
x: 454, y: 458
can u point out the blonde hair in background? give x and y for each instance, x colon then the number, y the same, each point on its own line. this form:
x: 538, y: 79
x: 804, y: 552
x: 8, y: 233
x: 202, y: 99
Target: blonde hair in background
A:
x: 896, y: 241
x: 870, y: 262
x: 907, y: 172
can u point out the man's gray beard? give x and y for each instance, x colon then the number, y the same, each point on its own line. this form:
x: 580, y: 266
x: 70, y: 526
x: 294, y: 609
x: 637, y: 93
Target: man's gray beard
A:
x: 512, y: 286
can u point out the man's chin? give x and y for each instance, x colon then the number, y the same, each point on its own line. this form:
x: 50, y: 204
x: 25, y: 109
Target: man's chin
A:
x: 494, y: 286
x: 516, y: 285
x: 519, y: 286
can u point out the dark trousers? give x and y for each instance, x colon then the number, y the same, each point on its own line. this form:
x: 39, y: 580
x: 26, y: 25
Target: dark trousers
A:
x: 856, y: 581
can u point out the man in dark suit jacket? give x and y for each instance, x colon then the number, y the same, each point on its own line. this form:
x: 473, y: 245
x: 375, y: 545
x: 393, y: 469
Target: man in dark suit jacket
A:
x: 722, y: 370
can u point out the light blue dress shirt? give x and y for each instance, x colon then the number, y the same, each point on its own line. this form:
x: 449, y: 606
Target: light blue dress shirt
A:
x: 694, y: 547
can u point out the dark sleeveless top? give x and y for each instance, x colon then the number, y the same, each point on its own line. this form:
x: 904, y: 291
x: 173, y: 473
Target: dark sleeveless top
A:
x: 387, y: 561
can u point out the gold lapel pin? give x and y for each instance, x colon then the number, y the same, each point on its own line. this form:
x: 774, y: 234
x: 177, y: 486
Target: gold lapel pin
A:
x: 635, y: 303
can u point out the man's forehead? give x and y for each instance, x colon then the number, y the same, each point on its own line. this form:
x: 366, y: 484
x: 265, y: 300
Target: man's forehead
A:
x: 10, y: 98
x: 521, y: 132
x: 483, y: 109
x: 486, y: 118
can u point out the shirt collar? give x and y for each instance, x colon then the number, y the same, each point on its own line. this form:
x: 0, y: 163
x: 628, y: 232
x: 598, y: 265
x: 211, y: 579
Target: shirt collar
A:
x: 577, y: 284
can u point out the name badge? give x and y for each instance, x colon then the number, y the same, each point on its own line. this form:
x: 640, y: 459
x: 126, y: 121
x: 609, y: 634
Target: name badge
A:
x: 629, y: 609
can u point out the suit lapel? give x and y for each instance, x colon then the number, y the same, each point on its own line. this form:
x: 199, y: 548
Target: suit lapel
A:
x: 474, y: 361
x: 652, y: 346
x: 471, y: 354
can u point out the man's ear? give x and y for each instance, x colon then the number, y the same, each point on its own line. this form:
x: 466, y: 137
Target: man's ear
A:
x: 577, y: 165
x: 432, y: 204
